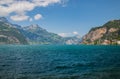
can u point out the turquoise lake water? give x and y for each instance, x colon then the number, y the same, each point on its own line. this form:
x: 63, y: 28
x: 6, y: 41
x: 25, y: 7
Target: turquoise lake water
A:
x: 59, y: 62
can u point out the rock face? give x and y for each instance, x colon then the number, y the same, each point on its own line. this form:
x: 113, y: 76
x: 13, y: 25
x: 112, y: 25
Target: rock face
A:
x: 96, y: 34
x: 109, y: 33
x: 9, y: 34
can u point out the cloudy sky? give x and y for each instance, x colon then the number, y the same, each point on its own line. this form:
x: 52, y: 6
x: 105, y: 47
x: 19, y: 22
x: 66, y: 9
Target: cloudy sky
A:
x: 64, y: 17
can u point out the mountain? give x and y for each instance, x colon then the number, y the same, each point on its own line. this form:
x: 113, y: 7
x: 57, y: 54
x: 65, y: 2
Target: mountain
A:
x: 32, y: 34
x: 109, y: 33
x: 37, y: 35
x: 9, y: 34
x: 73, y: 40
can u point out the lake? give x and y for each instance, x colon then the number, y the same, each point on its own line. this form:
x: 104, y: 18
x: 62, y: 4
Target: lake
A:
x: 59, y: 62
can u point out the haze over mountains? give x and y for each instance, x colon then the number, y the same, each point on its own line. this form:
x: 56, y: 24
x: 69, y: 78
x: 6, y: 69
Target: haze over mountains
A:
x: 10, y: 33
x: 32, y: 34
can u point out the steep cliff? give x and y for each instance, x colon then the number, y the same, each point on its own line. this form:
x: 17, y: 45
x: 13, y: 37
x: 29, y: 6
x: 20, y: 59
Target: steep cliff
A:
x: 109, y: 33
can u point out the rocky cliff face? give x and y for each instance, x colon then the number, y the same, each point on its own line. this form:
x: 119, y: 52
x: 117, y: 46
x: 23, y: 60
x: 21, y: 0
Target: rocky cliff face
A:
x: 109, y: 33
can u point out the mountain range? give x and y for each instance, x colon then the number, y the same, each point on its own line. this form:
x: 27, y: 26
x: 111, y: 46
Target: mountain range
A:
x: 109, y: 33
x: 32, y: 34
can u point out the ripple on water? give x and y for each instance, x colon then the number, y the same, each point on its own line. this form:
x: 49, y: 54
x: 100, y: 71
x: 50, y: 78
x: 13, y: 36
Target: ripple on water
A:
x: 58, y: 62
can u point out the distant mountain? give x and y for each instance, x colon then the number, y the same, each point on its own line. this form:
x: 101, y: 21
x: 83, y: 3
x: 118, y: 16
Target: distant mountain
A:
x: 32, y: 34
x: 37, y: 35
x: 109, y: 33
x: 73, y: 40
x: 9, y: 34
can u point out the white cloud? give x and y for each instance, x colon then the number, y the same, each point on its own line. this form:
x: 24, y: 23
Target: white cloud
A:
x: 37, y: 16
x: 45, y: 3
x: 21, y: 7
x: 68, y: 34
x: 6, y: 1
x: 75, y: 33
x: 19, y: 17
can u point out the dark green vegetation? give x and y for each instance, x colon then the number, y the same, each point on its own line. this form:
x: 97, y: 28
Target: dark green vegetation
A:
x: 109, y: 33
x: 115, y: 35
x: 108, y: 25
x: 9, y: 34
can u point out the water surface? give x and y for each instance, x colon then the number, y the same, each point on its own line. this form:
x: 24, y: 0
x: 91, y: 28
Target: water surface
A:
x: 59, y: 62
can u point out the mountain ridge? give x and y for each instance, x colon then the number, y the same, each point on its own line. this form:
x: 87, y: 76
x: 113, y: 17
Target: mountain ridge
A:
x: 34, y: 34
x: 107, y: 34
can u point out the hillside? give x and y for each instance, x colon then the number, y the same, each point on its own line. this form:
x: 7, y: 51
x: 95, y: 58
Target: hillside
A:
x: 32, y: 34
x: 109, y: 33
x: 37, y: 35
x: 9, y: 34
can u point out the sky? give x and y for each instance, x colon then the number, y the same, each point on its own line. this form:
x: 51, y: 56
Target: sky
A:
x: 64, y: 17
